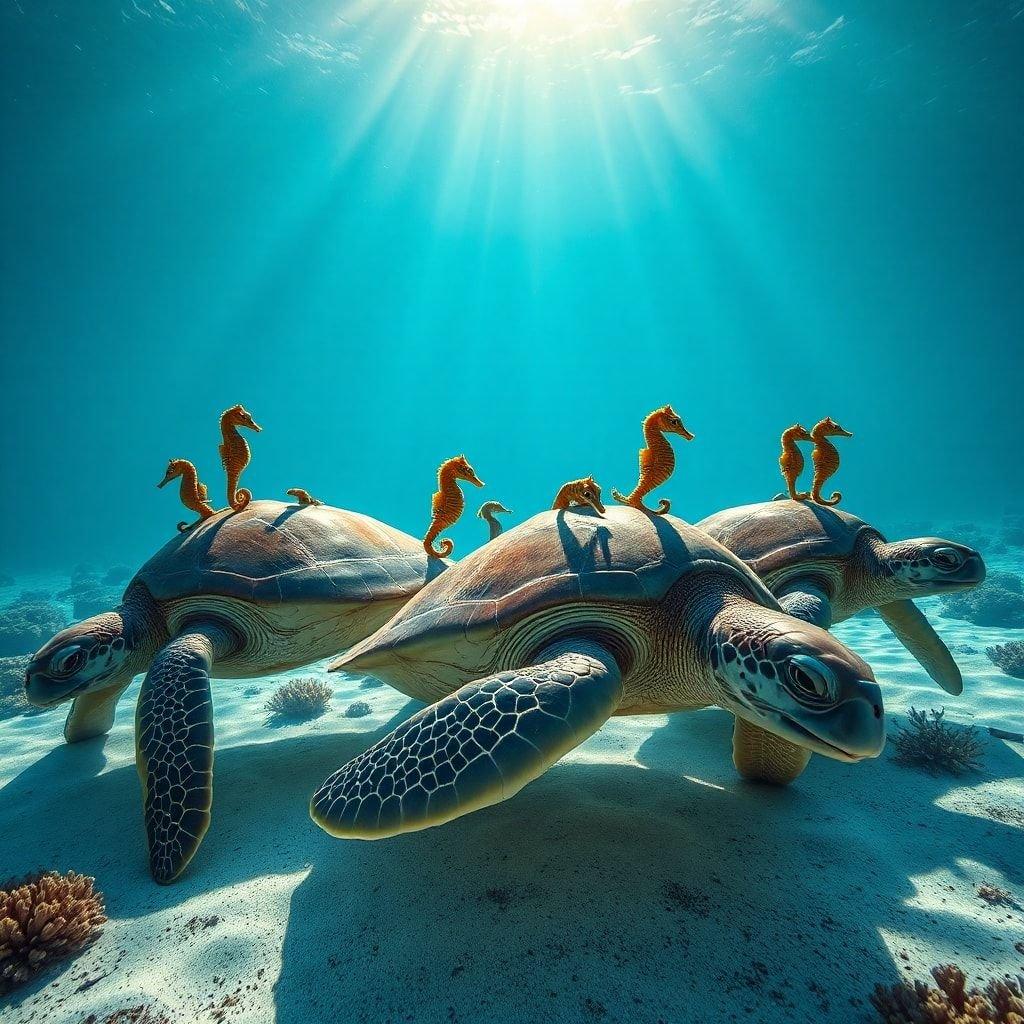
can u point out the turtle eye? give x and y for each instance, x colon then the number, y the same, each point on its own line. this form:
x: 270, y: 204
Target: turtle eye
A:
x: 810, y: 680
x: 946, y: 558
x: 67, y: 662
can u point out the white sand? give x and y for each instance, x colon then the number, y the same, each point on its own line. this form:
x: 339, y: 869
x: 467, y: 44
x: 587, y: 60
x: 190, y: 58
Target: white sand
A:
x: 638, y: 880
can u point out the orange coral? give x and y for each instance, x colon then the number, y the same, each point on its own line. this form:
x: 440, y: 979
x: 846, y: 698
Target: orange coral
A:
x: 44, y: 918
x: 951, y: 1003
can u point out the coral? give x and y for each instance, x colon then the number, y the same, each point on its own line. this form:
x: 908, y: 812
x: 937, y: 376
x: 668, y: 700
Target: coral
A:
x: 952, y: 1002
x: 44, y: 918
x: 131, y: 1015
x: 930, y: 743
x: 116, y: 574
x: 96, y: 599
x: 996, y: 897
x: 25, y: 625
x: 999, y: 601
x: 358, y: 709
x: 12, y: 687
x: 1009, y: 657
x: 300, y: 698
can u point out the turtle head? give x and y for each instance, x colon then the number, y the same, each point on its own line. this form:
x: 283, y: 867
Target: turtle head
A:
x: 239, y: 416
x: 90, y: 655
x: 669, y: 422
x: 930, y: 565
x: 797, y: 681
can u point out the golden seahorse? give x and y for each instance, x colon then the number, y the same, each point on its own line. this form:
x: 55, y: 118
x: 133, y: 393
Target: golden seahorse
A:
x: 447, y: 503
x: 586, y: 491
x: 193, y: 494
x: 825, y: 458
x: 235, y: 454
x: 657, y: 460
x: 303, y: 497
x: 791, y: 461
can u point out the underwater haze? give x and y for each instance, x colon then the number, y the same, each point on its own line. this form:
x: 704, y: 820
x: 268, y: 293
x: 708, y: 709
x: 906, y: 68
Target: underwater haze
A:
x: 401, y: 231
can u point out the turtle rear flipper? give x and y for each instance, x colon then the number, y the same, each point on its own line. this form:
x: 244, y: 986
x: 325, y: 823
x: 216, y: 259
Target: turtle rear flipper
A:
x: 474, y: 748
x: 761, y: 756
x: 803, y: 600
x: 915, y: 632
x: 174, y: 746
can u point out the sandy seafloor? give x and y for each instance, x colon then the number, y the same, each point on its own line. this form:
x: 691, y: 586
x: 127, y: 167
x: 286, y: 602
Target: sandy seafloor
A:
x: 638, y: 880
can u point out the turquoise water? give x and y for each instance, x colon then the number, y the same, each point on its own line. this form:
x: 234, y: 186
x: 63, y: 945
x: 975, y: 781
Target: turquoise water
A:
x: 397, y: 232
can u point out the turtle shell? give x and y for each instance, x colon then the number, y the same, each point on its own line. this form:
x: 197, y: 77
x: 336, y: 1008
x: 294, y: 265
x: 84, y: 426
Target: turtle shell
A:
x: 554, y: 558
x: 775, y: 535
x: 272, y: 552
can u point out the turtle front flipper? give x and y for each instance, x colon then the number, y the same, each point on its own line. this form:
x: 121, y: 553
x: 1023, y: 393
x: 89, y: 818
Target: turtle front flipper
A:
x: 914, y: 631
x: 761, y: 756
x: 807, y: 602
x: 92, y: 714
x: 174, y: 746
x: 474, y: 748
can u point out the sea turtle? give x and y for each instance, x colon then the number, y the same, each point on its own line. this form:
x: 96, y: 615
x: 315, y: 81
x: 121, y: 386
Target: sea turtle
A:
x: 529, y: 644
x: 246, y: 593
x: 825, y: 565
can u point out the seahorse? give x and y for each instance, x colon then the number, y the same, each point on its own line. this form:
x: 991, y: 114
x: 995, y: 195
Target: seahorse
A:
x: 586, y: 491
x: 791, y: 461
x: 303, y: 497
x: 825, y: 458
x: 235, y: 454
x: 447, y: 503
x: 657, y: 460
x: 487, y: 512
x: 193, y: 494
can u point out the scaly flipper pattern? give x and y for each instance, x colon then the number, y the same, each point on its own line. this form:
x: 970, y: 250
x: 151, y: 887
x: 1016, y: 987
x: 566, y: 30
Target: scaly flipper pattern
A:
x: 657, y: 460
x: 580, y: 492
x: 447, y: 503
x: 193, y: 494
x: 235, y: 453
x: 303, y: 497
x: 472, y: 749
x: 174, y: 747
x: 825, y: 458
x: 791, y: 461
x: 761, y: 756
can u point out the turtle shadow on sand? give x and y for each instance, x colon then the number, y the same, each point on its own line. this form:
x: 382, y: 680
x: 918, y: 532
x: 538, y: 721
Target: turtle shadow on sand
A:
x: 605, y: 890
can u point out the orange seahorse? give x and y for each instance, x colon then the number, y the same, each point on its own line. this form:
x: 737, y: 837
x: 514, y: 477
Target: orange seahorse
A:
x: 193, y: 494
x: 303, y: 497
x: 657, y: 460
x: 825, y: 458
x: 586, y: 491
x: 791, y: 461
x: 235, y: 454
x: 447, y: 503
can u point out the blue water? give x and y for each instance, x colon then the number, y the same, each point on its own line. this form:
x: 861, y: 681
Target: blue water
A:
x: 397, y: 232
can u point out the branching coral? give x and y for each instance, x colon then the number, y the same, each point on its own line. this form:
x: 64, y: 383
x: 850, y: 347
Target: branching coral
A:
x: 25, y: 625
x: 930, y: 743
x: 358, y: 709
x: 300, y: 698
x: 999, y: 601
x: 951, y: 1003
x: 12, y: 687
x: 44, y: 918
x: 1009, y: 657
